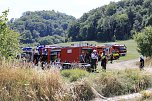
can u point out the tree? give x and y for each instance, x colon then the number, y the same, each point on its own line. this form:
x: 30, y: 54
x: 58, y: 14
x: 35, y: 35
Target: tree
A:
x: 46, y: 40
x: 38, y: 24
x: 111, y: 9
x: 115, y: 21
x: 121, y: 30
x: 26, y: 37
x: 144, y: 41
x: 9, y: 40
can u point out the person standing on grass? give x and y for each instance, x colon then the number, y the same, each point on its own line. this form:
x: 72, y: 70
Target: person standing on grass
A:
x: 82, y: 57
x: 104, y: 61
x: 141, y: 62
x: 111, y: 58
x: 87, y: 57
x: 94, y: 60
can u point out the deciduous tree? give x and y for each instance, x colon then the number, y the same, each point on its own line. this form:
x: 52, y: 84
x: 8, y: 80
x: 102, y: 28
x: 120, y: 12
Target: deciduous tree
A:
x: 144, y: 41
x: 9, y: 40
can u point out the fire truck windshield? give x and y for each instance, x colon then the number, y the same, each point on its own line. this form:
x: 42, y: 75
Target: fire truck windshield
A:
x: 122, y: 48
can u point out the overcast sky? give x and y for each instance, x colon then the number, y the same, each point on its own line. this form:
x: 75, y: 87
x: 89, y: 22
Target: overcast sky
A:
x: 71, y: 7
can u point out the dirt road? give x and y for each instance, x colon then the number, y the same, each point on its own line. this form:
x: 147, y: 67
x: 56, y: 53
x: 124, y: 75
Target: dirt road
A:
x: 123, y: 64
x: 126, y: 65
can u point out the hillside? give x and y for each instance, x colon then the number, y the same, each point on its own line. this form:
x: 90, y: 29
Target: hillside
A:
x: 43, y: 27
x: 115, y: 21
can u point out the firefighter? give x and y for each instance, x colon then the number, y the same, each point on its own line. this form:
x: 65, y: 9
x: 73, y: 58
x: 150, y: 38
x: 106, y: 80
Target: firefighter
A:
x: 35, y: 59
x: 141, y: 62
x: 82, y: 57
x: 103, y: 60
x: 43, y: 61
x: 87, y: 57
x: 94, y: 60
x: 111, y: 58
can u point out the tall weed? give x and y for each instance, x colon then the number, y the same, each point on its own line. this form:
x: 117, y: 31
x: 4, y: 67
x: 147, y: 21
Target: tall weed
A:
x: 115, y: 83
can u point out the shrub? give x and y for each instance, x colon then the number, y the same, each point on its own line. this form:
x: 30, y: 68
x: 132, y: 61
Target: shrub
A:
x: 144, y: 42
x: 82, y: 91
x: 107, y: 84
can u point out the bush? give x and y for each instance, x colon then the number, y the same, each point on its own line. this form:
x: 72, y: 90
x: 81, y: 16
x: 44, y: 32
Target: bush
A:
x: 82, y: 91
x: 144, y: 42
x: 107, y: 84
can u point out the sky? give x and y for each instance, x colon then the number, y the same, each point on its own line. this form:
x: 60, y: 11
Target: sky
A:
x: 75, y: 8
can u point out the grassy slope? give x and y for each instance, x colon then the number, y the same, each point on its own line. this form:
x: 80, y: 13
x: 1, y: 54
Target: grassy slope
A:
x: 131, y: 47
x: 131, y: 50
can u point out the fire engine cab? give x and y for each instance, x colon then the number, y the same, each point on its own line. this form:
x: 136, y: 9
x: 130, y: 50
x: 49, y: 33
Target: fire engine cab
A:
x: 27, y: 53
x: 119, y: 48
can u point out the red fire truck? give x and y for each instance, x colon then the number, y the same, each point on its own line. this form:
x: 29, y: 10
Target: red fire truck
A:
x: 49, y: 53
x: 73, y: 54
x: 119, y: 48
x: 108, y: 51
x: 66, y: 56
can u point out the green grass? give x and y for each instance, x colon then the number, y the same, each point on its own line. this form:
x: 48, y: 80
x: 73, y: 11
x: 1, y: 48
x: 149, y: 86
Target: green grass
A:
x: 131, y: 50
x: 74, y: 74
x: 131, y: 47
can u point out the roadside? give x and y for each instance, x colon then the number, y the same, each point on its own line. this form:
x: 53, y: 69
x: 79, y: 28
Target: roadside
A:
x: 129, y: 64
x: 141, y: 96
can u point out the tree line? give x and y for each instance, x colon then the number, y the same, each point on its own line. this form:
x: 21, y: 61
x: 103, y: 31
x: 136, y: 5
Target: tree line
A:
x: 115, y: 21
x: 42, y: 27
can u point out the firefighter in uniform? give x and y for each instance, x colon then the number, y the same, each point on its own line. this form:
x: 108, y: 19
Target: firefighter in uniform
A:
x: 82, y: 57
x: 94, y: 60
x: 141, y: 62
x: 104, y: 60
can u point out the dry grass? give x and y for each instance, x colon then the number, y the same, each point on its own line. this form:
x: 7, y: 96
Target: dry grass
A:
x: 27, y: 84
x: 147, y: 95
x: 127, y: 81
x: 148, y: 62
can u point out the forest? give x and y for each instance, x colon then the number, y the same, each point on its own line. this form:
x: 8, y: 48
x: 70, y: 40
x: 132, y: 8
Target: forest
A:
x: 115, y: 21
x: 42, y: 27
